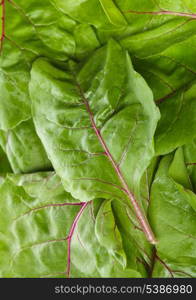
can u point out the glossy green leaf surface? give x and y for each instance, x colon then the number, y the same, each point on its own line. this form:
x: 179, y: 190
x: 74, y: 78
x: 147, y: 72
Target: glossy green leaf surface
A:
x: 97, y: 138
x: 117, y: 106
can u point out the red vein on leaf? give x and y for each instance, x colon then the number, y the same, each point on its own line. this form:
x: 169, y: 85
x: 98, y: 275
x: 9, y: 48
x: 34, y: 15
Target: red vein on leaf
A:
x: 169, y: 269
x: 165, y: 265
x: 70, y: 236
x: 49, y: 205
x: 3, y: 25
x: 138, y: 212
x: 101, y: 181
x: 159, y: 101
x: 178, y: 63
x: 190, y: 163
x: 163, y: 12
x: 185, y: 87
x: 182, y: 272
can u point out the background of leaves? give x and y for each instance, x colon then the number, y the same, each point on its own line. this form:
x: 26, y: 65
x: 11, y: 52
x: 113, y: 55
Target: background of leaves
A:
x: 107, y: 242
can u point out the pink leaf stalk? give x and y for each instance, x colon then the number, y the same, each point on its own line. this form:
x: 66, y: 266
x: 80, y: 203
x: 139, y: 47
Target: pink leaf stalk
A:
x: 138, y: 212
x: 2, y: 26
x: 70, y: 236
x: 163, y: 12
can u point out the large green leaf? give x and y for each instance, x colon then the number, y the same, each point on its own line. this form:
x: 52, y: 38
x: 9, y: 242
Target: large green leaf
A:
x: 117, y: 119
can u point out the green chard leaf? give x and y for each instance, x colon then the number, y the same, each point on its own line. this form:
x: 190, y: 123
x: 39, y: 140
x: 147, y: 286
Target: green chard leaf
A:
x: 100, y: 162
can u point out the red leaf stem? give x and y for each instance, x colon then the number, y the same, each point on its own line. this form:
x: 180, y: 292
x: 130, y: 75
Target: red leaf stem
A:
x: 138, y: 212
x: 2, y: 25
x: 70, y: 235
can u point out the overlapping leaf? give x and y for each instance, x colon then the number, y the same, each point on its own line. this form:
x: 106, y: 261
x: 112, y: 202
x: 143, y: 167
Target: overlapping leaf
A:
x: 123, y: 111
x: 36, y: 216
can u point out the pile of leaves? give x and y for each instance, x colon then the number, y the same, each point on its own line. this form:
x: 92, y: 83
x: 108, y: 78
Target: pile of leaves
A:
x: 98, y: 138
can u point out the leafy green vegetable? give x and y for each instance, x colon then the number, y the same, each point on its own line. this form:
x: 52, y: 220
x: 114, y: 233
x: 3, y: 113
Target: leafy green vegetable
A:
x: 97, y: 138
x: 100, y: 108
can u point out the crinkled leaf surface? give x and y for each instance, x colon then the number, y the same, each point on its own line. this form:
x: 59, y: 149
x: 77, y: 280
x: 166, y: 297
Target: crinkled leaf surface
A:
x: 24, y: 156
x: 34, y: 227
